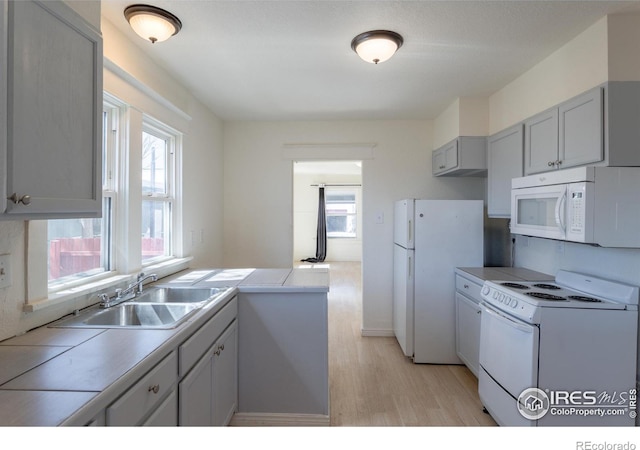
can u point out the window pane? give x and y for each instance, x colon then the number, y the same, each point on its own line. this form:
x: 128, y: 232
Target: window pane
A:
x: 78, y: 248
x: 154, y: 158
x: 155, y: 229
x: 341, y: 214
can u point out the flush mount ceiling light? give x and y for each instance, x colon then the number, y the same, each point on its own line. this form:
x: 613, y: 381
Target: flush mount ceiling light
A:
x: 151, y: 23
x: 376, y: 46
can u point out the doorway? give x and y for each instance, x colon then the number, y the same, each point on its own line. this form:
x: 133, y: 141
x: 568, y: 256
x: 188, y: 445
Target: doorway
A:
x: 342, y: 181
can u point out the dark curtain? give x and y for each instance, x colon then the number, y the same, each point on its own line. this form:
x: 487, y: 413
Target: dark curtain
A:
x: 321, y: 242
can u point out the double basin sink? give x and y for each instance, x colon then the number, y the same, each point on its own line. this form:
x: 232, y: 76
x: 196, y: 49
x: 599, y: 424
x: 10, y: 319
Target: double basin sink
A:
x: 154, y: 308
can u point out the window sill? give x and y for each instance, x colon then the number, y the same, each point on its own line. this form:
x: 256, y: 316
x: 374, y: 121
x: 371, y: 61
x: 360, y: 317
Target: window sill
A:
x: 86, y: 294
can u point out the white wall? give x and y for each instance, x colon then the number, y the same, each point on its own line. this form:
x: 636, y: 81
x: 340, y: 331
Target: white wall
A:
x: 465, y: 116
x: 258, y: 195
x: 605, y: 51
x: 305, y: 217
x: 202, y: 184
x: 572, y: 69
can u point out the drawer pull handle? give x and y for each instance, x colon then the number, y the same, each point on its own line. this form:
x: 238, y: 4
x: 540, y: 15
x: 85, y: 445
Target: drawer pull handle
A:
x: 217, y: 352
x: 466, y: 286
x: 221, y: 347
x: 155, y: 388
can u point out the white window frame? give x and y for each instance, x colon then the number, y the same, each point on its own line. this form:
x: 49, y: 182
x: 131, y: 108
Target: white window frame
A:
x: 123, y: 188
x: 173, y: 140
x: 349, y: 190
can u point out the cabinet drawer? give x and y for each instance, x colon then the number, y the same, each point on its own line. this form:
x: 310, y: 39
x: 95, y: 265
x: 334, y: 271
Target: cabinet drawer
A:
x: 194, y: 347
x: 145, y: 395
x: 469, y: 288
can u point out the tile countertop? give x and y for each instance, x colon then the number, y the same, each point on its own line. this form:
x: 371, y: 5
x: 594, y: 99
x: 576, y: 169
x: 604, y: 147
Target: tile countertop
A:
x: 53, y: 376
x: 481, y: 274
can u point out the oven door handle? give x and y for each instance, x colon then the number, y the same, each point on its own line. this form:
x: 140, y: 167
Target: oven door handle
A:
x: 521, y: 326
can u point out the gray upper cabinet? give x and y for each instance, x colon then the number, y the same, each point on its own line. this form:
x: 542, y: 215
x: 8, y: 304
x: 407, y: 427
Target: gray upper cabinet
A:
x: 541, y: 142
x: 568, y: 135
x: 51, y: 97
x: 463, y: 156
x: 581, y: 127
x: 504, y: 158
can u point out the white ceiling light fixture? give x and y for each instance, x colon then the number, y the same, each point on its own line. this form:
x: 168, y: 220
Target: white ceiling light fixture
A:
x: 376, y: 46
x: 151, y: 23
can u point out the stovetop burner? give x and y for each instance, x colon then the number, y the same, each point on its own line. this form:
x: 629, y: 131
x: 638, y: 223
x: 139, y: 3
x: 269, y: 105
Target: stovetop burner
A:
x: 515, y: 286
x: 582, y: 298
x: 545, y: 296
x: 547, y: 286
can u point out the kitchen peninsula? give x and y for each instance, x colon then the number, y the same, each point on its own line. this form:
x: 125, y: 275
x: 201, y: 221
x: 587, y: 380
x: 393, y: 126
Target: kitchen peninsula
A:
x: 275, y: 319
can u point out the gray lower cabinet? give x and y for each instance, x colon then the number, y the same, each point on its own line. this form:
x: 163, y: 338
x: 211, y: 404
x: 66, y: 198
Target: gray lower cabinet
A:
x: 50, y: 112
x: 468, y: 322
x: 208, y: 389
x: 143, y: 400
x: 504, y: 160
x: 166, y: 415
x: 208, y: 394
x: 225, y: 376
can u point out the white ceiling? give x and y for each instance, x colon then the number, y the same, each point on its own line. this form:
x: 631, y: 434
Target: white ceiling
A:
x: 292, y: 60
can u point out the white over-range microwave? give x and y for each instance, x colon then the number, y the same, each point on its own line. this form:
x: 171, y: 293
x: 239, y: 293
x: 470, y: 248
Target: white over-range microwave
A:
x: 593, y: 205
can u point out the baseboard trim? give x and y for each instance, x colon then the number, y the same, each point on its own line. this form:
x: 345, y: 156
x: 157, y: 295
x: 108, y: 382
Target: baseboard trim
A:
x: 279, y: 420
x: 376, y: 332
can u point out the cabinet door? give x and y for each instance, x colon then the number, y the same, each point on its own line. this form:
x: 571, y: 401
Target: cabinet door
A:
x: 541, y: 142
x: 166, y: 415
x: 581, y: 129
x: 504, y: 155
x: 225, y: 376
x: 196, y: 394
x: 54, y: 97
x: 445, y: 158
x: 468, y: 332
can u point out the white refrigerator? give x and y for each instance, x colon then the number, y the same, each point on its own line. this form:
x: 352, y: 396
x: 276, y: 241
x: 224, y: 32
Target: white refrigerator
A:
x: 431, y: 239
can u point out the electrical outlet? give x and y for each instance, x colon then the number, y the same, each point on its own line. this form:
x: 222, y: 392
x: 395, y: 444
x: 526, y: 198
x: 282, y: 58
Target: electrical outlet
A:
x: 5, y: 270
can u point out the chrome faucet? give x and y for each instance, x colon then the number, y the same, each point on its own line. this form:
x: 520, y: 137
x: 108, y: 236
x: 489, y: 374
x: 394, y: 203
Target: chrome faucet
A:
x: 142, y: 278
x: 120, y: 295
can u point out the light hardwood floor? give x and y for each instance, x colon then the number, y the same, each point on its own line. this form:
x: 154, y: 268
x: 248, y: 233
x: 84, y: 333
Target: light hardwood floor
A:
x: 372, y: 383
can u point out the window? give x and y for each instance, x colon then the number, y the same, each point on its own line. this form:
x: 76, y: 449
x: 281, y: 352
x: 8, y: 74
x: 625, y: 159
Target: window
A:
x: 157, y: 192
x: 341, y: 213
x: 82, y: 248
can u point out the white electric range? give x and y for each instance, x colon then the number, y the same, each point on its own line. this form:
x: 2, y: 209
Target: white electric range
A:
x: 559, y: 353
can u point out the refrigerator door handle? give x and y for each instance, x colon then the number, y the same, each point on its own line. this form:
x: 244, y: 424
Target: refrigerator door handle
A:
x: 409, y: 268
x: 409, y: 231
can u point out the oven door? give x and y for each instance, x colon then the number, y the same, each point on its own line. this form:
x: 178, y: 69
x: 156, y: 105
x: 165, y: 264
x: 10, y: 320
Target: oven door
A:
x: 509, y: 350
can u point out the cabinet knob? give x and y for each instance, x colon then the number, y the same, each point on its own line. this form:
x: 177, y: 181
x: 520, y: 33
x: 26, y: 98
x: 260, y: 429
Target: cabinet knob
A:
x: 25, y: 199
x: 442, y: 167
x: 558, y: 162
x: 466, y: 286
x: 155, y: 388
x: 221, y: 347
x: 217, y: 352
x: 551, y: 163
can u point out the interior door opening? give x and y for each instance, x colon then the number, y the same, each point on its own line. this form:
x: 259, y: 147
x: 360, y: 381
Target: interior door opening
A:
x: 342, y: 185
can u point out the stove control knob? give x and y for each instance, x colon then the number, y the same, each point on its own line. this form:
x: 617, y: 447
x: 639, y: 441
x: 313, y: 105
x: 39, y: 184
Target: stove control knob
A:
x: 507, y: 300
x: 514, y: 303
x: 486, y: 290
